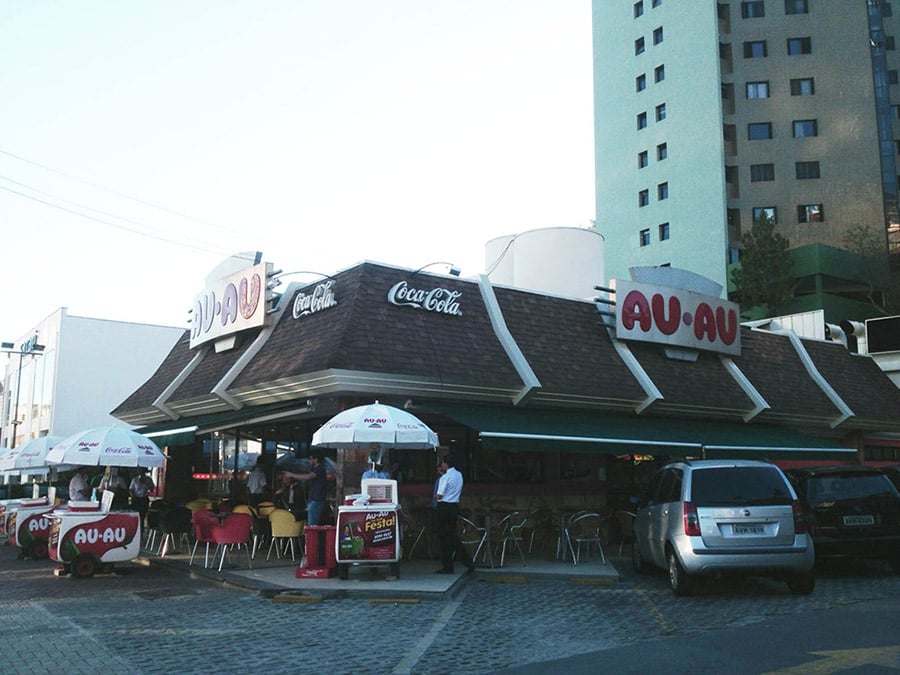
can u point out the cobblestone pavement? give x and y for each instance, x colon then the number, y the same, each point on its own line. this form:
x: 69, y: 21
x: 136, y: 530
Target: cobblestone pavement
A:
x: 154, y: 620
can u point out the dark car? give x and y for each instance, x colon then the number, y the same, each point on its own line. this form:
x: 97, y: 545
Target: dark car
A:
x: 852, y: 511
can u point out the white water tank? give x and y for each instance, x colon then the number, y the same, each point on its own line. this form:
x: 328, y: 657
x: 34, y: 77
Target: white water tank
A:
x: 564, y: 261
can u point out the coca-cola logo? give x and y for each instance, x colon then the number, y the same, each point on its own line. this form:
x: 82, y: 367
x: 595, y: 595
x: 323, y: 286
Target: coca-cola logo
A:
x: 439, y: 300
x: 320, y: 299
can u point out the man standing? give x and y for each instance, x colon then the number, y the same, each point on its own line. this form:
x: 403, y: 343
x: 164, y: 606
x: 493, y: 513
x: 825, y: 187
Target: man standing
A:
x: 256, y: 483
x: 449, y: 490
x: 78, y: 486
x: 139, y: 488
x: 315, y: 503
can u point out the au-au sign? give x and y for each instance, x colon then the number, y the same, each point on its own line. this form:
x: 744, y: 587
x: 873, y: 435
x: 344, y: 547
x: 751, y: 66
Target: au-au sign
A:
x: 676, y: 317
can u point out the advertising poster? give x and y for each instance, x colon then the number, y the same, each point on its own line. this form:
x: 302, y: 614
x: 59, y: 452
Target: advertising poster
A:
x: 368, y: 535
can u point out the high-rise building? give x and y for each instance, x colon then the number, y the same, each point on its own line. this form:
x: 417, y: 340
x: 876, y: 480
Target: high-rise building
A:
x: 711, y: 114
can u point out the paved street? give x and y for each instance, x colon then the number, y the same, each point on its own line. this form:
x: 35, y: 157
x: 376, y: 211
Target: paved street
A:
x: 158, y: 620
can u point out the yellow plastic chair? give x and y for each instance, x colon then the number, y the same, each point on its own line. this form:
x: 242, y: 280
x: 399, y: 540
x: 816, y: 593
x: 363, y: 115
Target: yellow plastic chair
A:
x: 201, y: 503
x: 244, y: 508
x: 285, y: 530
x: 265, y: 508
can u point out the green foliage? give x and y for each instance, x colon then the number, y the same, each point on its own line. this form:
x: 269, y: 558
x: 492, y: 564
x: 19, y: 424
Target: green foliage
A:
x: 766, y: 274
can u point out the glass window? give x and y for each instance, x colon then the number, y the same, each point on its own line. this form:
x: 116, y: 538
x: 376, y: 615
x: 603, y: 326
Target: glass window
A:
x: 886, y: 9
x: 755, y: 50
x: 662, y: 151
x: 762, y: 172
x: 892, y: 77
x: 758, y: 131
x: 662, y: 191
x: 640, y: 82
x: 645, y: 237
x: 643, y: 197
x: 895, y: 112
x: 753, y: 10
x: 757, y: 90
x: 642, y: 159
x: 639, y: 46
x: 803, y: 86
x: 806, y: 170
x: 889, y: 43
x: 805, y: 128
x: 638, y: 9
x: 796, y: 7
x: 659, y: 74
x: 660, y: 112
x: 810, y: 213
x: 663, y: 231
x: 657, y: 35
x: 657, y: 3
x: 768, y: 212
x: 801, y: 45
x: 642, y: 120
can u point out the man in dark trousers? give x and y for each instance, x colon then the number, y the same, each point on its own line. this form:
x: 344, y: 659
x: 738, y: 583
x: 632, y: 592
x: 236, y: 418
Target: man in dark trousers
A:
x: 449, y: 490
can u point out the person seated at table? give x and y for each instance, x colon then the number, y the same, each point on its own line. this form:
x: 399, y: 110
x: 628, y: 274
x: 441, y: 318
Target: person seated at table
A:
x: 290, y: 496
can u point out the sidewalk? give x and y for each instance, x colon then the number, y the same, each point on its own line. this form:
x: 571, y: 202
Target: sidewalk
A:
x: 417, y: 581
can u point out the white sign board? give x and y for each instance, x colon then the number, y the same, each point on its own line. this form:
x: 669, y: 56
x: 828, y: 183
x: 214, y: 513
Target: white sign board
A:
x: 231, y: 304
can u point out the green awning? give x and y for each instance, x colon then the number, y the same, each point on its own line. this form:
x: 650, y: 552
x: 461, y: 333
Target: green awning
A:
x: 543, y: 429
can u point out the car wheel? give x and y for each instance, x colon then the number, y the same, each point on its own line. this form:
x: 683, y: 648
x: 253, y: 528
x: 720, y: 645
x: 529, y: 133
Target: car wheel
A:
x: 637, y: 560
x: 681, y: 583
x: 802, y: 583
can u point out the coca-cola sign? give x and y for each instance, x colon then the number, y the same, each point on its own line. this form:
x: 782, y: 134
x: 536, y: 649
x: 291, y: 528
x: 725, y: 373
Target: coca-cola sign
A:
x: 676, y: 317
x: 440, y: 300
x: 322, y: 297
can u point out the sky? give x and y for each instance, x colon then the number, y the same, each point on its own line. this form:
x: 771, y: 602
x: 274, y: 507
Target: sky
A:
x: 142, y: 143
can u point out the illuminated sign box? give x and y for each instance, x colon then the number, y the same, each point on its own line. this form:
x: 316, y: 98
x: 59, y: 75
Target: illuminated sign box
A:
x: 231, y: 304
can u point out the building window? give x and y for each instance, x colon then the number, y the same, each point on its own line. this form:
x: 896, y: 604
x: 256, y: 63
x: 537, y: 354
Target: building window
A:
x: 639, y: 46
x: 796, y: 7
x: 755, y: 50
x: 660, y: 112
x: 892, y: 77
x: 642, y: 159
x: 662, y: 191
x: 803, y: 86
x: 662, y: 151
x: 753, y: 10
x: 810, y: 213
x: 762, y: 172
x: 733, y: 255
x: 638, y: 9
x: 805, y: 128
x: 659, y: 74
x: 640, y: 82
x: 768, y: 212
x: 759, y: 131
x: 806, y: 170
x: 645, y: 237
x: 663, y: 231
x: 895, y: 112
x: 801, y: 45
x: 657, y: 3
x: 889, y: 43
x: 643, y: 198
x: 657, y: 35
x: 886, y: 9
x: 897, y: 147
x: 757, y: 90
x: 642, y: 120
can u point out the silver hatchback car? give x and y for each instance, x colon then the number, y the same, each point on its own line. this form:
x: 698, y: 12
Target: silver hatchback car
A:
x: 707, y: 517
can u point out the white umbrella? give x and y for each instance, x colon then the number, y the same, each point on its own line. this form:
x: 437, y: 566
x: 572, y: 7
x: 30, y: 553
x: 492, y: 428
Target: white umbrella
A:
x: 30, y: 457
x: 107, y: 446
x: 375, y: 426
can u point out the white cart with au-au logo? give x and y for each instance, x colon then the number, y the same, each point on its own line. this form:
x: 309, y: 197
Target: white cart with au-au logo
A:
x: 368, y: 528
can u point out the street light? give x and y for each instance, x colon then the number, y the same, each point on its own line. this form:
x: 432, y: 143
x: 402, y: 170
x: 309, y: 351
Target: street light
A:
x: 28, y: 348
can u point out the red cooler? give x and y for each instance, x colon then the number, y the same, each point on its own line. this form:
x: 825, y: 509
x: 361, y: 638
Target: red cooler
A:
x: 320, y: 562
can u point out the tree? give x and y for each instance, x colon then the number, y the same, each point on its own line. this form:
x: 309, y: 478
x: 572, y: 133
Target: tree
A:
x: 883, y: 284
x: 766, y: 273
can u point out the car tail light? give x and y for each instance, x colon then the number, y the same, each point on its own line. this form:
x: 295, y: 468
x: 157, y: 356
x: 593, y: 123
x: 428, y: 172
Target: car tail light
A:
x: 800, y: 525
x: 691, y: 520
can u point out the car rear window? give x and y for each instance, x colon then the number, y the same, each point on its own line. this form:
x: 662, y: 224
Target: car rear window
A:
x: 739, y: 486
x: 837, y: 487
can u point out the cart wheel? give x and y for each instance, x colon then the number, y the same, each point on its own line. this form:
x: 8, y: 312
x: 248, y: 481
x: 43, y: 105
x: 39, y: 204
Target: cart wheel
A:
x: 343, y: 570
x: 39, y: 549
x: 84, y: 566
x: 394, y: 570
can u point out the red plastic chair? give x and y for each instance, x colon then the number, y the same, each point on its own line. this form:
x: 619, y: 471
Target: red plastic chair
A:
x: 235, y: 530
x: 204, y: 522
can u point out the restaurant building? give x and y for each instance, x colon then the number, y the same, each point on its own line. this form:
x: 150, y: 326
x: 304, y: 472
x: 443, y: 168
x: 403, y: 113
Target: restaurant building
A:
x: 547, y: 402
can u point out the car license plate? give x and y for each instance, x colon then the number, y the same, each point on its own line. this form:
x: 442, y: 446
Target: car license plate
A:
x: 748, y: 529
x: 858, y: 521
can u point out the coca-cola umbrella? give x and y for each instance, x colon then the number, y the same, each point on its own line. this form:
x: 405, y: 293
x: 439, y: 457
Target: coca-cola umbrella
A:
x: 30, y: 457
x: 107, y: 446
x: 375, y: 426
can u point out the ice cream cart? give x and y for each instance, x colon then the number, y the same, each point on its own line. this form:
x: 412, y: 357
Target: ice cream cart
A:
x: 87, y: 537
x: 28, y: 527
x: 7, y: 508
x: 368, y: 528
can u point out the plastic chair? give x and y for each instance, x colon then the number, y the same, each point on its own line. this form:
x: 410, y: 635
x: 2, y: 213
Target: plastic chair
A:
x: 154, y: 510
x: 625, y: 522
x: 244, y: 508
x: 204, y: 522
x: 584, y: 529
x: 285, y: 528
x: 199, y: 503
x: 416, y: 525
x: 262, y: 532
x: 235, y: 530
x: 175, y: 525
x: 511, y: 528
x: 469, y: 534
x: 265, y: 508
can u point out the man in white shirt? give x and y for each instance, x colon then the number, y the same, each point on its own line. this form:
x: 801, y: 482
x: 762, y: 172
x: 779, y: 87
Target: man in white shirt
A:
x: 449, y: 490
x: 256, y: 483
x: 78, y: 486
